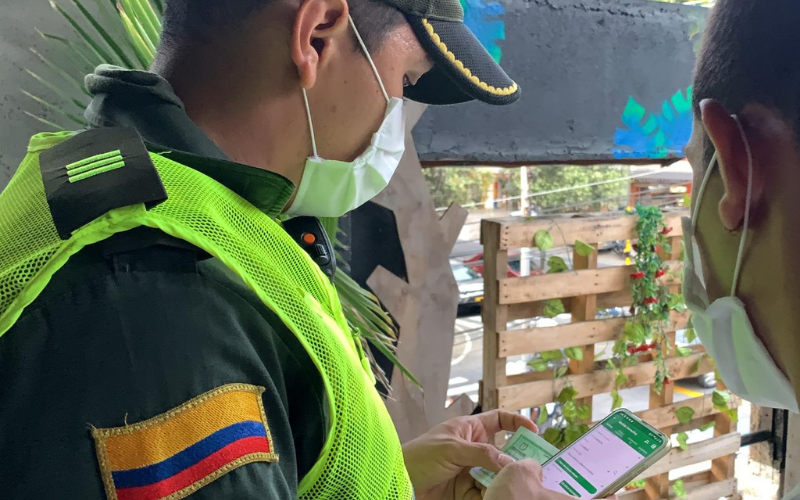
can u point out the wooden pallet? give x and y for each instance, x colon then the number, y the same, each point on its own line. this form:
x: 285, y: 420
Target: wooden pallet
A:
x: 583, y: 290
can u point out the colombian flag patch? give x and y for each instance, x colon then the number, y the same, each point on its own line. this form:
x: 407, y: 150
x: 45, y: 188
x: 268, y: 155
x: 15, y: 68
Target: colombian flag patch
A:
x: 172, y: 455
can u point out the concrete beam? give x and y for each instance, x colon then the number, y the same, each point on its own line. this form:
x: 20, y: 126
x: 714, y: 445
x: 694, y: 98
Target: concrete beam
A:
x: 602, y: 80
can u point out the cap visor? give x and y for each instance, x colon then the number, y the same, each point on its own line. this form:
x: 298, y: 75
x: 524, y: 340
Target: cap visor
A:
x: 463, y: 70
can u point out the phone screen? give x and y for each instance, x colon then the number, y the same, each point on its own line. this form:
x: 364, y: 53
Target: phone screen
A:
x: 601, y: 456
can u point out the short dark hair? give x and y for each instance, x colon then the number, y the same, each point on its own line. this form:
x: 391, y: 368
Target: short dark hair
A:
x: 750, y: 55
x: 197, y: 22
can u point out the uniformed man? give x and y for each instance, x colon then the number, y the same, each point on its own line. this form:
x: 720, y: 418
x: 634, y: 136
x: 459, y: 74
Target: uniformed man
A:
x: 162, y: 335
x: 741, y: 242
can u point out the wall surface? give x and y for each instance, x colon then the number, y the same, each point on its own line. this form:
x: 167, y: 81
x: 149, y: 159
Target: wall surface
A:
x: 18, y: 18
x: 601, y: 80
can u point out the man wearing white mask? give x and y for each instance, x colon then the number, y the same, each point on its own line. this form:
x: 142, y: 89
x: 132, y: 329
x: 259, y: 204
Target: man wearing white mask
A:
x: 161, y: 335
x: 741, y: 272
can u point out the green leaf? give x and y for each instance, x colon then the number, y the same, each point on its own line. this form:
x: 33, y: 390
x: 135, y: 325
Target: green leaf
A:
x: 561, y: 371
x: 55, y: 108
x: 554, y: 355
x: 553, y: 308
x: 543, y: 240
x: 583, y: 249
x: 102, y: 55
x: 685, y: 414
x: 556, y: 264
x: 55, y: 126
x: 610, y: 364
x: 538, y: 365
x: 733, y: 414
x: 621, y: 379
x: 690, y: 335
x: 79, y: 105
x: 679, y: 488
x: 121, y: 56
x: 542, y: 419
x: 584, y: 412
x: 393, y: 359
x: 567, y: 394
x: 707, y: 426
x: 616, y: 400
x: 684, y: 352
x: 720, y: 399
x: 676, y: 302
x: 570, y: 411
x: 142, y: 13
x: 144, y: 49
x: 682, y: 441
x: 572, y: 433
x: 575, y: 353
x: 634, y: 332
x: 70, y: 79
x: 553, y: 436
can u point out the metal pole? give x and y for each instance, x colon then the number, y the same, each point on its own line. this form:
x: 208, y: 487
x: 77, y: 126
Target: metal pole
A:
x: 525, y: 253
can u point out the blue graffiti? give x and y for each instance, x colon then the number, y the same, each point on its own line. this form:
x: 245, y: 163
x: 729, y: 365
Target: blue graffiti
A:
x: 485, y: 20
x: 655, y: 135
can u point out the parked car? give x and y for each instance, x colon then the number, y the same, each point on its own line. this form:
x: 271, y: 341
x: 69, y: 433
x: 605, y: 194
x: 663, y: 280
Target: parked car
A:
x: 470, y: 289
x: 476, y: 264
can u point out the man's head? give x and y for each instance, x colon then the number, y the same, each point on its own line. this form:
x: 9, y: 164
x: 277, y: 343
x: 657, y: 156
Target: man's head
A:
x: 260, y: 54
x: 748, y: 68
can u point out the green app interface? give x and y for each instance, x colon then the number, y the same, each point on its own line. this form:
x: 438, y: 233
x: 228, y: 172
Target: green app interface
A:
x: 604, y: 454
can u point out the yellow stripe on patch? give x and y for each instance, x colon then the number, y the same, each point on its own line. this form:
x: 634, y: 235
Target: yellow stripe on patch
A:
x: 159, y: 438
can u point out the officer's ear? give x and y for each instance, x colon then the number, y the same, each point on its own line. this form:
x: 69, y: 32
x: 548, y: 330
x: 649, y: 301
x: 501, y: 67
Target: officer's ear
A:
x: 317, y: 26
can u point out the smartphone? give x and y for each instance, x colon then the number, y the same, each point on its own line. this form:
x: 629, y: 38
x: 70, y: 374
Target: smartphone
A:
x: 605, y: 459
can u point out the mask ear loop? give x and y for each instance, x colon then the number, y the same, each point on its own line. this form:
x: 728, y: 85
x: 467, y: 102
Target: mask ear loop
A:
x: 696, y: 211
x: 369, y: 58
x: 310, y: 125
x: 748, y: 201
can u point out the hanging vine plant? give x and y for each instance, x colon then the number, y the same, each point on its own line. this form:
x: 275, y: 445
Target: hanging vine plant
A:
x: 651, y: 305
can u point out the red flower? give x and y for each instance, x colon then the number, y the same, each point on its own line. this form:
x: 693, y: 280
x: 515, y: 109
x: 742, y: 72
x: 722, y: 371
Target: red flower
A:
x: 660, y: 273
x: 650, y: 300
x: 637, y: 276
x: 632, y: 310
x: 635, y: 248
x: 657, y: 248
x: 666, y: 230
x: 631, y: 350
x: 667, y: 381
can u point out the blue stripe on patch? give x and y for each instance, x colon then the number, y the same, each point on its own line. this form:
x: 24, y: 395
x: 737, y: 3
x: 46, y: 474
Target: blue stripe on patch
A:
x: 188, y: 457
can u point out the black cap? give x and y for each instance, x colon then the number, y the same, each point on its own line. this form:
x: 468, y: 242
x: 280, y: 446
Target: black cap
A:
x: 464, y: 70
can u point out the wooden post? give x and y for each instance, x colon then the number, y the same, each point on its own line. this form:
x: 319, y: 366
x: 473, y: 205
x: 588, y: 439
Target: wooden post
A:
x: 495, y: 315
x: 584, y: 308
x: 791, y: 475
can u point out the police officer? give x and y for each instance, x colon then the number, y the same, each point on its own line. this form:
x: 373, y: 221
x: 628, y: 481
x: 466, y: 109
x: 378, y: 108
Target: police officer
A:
x: 163, y: 336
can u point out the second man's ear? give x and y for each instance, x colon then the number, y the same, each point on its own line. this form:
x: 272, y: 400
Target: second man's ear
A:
x: 317, y: 24
x: 732, y: 156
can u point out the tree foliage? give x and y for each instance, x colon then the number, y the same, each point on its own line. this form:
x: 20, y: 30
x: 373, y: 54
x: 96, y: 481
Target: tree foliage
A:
x: 468, y: 186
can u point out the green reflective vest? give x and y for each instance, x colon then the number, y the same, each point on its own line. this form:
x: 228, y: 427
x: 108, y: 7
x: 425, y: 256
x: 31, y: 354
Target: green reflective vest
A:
x: 362, y: 457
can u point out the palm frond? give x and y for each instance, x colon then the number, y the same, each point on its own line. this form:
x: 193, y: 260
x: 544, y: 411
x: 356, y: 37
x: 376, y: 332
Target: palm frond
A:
x: 104, y: 34
x: 103, y: 57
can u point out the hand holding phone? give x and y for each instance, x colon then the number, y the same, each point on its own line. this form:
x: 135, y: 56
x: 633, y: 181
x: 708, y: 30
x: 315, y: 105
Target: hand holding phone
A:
x: 522, y: 480
x: 612, y: 454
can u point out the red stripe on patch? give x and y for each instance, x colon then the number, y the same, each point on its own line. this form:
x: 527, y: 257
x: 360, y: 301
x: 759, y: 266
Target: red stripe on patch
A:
x: 198, y: 471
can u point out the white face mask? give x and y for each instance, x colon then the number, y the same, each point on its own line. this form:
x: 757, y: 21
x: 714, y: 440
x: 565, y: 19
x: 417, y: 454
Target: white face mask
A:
x: 724, y: 327
x: 331, y: 188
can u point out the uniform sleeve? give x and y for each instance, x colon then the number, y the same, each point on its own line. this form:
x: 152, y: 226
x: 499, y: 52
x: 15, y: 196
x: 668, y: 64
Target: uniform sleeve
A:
x: 134, y: 341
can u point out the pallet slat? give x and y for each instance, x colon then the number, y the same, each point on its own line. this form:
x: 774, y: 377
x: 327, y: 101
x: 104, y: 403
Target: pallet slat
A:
x: 517, y: 342
x: 575, y: 283
x: 532, y: 394
x: 698, y: 452
x: 518, y: 232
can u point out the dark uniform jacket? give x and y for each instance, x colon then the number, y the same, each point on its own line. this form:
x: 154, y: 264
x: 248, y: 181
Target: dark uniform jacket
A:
x: 139, y: 324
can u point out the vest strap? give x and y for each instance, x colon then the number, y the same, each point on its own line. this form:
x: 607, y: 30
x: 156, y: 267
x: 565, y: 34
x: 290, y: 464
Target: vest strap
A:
x: 95, y: 172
